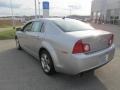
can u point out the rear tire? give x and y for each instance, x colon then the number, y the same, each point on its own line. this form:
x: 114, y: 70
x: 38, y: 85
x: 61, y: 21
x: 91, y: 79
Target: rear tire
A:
x: 47, y: 63
x: 18, y: 44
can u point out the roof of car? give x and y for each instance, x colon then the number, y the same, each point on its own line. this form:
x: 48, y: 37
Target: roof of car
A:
x: 48, y: 19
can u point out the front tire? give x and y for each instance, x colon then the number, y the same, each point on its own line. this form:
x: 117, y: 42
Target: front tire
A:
x: 46, y: 63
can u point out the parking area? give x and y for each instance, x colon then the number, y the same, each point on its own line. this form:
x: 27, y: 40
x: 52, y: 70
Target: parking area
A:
x: 21, y: 71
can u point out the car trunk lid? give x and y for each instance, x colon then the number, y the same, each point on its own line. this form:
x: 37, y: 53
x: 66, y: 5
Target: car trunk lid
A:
x: 97, y: 39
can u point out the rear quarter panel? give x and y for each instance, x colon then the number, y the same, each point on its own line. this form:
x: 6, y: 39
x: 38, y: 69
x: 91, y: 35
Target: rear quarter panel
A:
x: 61, y: 43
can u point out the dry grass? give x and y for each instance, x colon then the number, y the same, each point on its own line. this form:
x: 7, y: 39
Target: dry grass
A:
x: 8, y: 23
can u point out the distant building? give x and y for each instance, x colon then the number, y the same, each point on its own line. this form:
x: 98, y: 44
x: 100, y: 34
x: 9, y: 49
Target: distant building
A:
x: 78, y: 17
x: 106, y: 11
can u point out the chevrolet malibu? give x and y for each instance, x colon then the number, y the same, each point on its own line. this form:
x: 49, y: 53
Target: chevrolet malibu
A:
x: 65, y: 45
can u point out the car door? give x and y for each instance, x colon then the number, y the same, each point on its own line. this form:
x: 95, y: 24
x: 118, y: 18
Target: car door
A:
x: 35, y: 37
x: 23, y: 35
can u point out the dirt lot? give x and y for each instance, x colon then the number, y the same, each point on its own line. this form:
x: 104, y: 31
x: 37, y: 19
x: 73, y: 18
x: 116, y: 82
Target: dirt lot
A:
x: 8, y: 23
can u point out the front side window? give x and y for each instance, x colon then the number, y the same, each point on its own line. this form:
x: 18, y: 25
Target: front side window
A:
x: 28, y: 27
x: 70, y: 25
x: 37, y: 26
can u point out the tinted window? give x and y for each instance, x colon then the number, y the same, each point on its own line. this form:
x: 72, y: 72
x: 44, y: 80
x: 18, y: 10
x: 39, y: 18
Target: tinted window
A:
x: 37, y: 26
x: 28, y: 27
x: 70, y: 25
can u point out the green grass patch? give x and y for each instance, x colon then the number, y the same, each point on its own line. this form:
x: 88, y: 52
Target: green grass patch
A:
x: 7, y: 34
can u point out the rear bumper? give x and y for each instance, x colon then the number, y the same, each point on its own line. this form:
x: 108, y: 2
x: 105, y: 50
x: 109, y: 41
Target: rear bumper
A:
x: 77, y: 63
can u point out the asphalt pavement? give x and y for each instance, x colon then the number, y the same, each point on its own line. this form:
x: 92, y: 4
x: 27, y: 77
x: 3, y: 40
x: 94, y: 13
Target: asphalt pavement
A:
x: 21, y: 71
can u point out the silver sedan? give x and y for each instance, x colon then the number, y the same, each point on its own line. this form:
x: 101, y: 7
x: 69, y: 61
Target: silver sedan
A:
x: 65, y: 45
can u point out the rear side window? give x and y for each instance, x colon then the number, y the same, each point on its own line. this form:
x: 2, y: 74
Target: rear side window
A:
x: 70, y: 25
x: 37, y: 26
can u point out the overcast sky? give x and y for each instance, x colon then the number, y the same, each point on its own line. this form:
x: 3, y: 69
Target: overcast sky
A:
x: 57, y: 7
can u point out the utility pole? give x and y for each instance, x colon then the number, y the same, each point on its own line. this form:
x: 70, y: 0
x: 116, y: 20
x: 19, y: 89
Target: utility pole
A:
x: 35, y: 10
x: 11, y: 7
x: 39, y: 8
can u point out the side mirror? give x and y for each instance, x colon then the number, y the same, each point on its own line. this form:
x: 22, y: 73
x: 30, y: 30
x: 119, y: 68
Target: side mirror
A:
x: 19, y: 29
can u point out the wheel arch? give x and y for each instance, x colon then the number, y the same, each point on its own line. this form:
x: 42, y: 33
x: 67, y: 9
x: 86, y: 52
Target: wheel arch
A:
x: 46, y: 46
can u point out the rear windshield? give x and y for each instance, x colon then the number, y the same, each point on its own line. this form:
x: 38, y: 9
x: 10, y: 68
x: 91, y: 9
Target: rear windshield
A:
x: 70, y: 25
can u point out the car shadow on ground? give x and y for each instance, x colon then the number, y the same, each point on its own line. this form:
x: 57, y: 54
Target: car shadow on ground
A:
x: 21, y: 70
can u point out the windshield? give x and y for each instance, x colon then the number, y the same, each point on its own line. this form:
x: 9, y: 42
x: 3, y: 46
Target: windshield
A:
x: 71, y: 25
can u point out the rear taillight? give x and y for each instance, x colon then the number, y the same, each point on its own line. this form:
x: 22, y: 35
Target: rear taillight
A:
x: 80, y: 47
x: 110, y: 41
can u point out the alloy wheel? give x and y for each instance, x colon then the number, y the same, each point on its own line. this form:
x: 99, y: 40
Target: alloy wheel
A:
x: 45, y: 62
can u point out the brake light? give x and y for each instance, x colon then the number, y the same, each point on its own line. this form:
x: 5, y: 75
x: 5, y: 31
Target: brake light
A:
x: 80, y: 47
x: 110, y: 41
